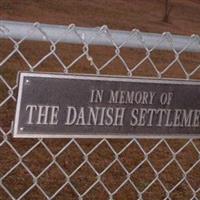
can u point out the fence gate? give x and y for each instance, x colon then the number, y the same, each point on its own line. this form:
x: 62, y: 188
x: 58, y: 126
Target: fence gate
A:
x: 136, y: 168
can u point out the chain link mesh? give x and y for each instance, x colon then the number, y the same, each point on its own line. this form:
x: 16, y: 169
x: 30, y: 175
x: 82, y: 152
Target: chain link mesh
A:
x: 95, y: 168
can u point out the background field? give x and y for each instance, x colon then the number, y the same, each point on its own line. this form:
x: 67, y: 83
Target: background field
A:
x: 144, y: 15
x: 117, y: 14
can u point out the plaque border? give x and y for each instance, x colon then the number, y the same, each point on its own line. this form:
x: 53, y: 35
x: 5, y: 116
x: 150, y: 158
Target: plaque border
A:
x: 23, y: 75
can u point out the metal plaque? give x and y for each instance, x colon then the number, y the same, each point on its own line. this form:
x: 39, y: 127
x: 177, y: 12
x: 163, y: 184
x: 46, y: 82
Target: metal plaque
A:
x: 55, y: 105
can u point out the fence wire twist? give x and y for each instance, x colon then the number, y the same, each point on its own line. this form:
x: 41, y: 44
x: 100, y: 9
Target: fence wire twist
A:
x: 95, y: 168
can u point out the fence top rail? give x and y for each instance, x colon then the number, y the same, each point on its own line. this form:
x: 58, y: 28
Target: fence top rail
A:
x: 98, y: 36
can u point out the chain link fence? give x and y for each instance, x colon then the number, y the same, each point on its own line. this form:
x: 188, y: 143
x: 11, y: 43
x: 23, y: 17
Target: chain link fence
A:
x: 94, y: 168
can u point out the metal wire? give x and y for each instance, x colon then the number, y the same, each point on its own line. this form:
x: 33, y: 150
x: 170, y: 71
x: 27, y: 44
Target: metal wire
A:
x: 104, y: 168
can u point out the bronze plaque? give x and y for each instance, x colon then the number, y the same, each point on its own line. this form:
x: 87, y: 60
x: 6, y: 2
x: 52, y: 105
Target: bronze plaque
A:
x: 57, y: 105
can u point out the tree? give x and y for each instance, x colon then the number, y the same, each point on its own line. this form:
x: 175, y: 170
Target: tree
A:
x: 167, y: 11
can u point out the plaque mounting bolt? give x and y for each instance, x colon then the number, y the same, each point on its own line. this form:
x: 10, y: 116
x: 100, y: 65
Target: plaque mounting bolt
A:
x: 27, y: 81
x: 21, y: 128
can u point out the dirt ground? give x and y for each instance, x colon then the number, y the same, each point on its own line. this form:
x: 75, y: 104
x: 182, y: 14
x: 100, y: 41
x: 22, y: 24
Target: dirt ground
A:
x: 116, y: 14
x: 144, y: 15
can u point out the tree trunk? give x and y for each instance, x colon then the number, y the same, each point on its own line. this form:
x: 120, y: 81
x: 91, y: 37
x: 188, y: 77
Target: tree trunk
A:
x: 167, y: 11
